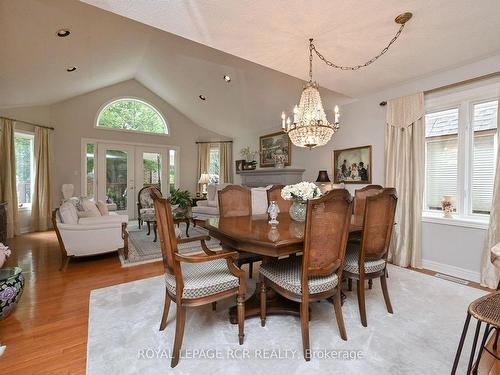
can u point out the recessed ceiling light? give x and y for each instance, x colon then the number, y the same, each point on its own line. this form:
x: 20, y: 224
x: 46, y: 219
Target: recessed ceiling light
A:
x: 202, y: 97
x: 71, y: 69
x: 227, y: 78
x: 63, y: 33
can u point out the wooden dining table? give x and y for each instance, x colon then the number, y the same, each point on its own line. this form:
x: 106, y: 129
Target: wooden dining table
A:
x: 254, y: 234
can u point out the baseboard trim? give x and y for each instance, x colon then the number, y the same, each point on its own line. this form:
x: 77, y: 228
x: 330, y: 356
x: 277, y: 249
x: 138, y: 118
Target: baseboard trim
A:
x: 25, y: 230
x: 448, y: 269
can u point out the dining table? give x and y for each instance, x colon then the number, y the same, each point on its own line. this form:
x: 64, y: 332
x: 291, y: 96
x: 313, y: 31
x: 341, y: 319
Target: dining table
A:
x: 254, y: 234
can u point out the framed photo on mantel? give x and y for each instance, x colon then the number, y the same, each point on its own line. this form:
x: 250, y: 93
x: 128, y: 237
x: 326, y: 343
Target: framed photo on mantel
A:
x: 353, y: 165
x: 276, y: 143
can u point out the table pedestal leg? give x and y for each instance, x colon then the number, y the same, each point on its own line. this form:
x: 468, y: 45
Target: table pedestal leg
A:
x: 276, y: 305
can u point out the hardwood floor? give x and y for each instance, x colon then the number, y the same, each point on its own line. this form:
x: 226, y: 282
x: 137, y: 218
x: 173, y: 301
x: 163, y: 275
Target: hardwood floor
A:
x: 47, y: 334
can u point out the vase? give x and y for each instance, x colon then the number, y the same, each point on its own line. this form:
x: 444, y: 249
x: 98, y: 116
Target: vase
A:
x: 298, y: 211
x: 273, y: 212
x: 11, y: 288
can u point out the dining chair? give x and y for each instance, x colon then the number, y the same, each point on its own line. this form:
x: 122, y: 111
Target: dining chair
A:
x: 367, y: 259
x: 360, y: 196
x: 274, y: 194
x: 194, y: 280
x: 236, y: 200
x: 317, y: 274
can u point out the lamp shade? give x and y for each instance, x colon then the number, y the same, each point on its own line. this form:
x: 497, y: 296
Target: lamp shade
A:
x: 323, y: 177
x: 204, y: 179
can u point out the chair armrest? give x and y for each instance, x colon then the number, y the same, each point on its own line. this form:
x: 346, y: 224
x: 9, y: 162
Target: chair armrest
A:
x: 193, y: 239
x: 200, y: 258
x: 88, y: 227
x: 202, y: 239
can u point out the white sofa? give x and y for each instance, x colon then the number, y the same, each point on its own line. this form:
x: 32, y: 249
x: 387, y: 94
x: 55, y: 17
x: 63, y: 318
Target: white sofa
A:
x: 83, y: 236
x: 210, y: 207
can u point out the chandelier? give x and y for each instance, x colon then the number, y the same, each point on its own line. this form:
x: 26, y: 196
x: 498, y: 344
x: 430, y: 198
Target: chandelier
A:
x: 310, y: 127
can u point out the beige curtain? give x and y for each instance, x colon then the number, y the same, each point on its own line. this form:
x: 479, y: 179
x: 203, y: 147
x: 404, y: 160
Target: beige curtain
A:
x: 41, y: 206
x: 404, y: 170
x: 226, y: 162
x: 8, y: 191
x: 203, y: 157
x: 489, y: 273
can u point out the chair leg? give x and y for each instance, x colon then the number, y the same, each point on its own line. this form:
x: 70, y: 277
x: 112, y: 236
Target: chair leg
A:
x: 180, y: 321
x: 214, y: 306
x: 241, y: 317
x: 263, y: 303
x: 370, y: 284
x: 349, y: 284
x: 495, y: 343
x: 483, y: 343
x: 337, y: 304
x: 304, y: 323
x: 473, y: 350
x: 149, y: 228
x: 166, y: 308
x: 139, y: 223
x: 64, y: 262
x: 361, y: 301
x: 250, y: 269
x: 461, y: 344
x: 385, y: 291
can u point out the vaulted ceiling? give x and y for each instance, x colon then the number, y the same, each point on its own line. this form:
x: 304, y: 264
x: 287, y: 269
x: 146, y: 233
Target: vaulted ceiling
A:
x: 181, y: 49
x: 441, y: 34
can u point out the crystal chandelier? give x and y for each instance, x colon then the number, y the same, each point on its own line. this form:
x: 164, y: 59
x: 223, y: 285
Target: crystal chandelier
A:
x: 310, y: 127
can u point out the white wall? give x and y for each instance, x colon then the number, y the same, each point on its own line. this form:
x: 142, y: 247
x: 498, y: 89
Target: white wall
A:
x: 450, y: 249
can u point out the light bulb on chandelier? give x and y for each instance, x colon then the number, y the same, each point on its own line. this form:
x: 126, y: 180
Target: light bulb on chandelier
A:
x: 310, y: 127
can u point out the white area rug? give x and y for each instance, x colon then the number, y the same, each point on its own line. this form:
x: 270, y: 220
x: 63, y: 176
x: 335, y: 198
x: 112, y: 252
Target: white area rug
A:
x: 420, y: 338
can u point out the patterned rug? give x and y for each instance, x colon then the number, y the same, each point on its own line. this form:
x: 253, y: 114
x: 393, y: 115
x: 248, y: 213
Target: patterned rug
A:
x: 142, y: 249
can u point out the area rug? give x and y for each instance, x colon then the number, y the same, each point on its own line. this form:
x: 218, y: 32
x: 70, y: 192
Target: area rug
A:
x: 143, y: 250
x: 421, y: 337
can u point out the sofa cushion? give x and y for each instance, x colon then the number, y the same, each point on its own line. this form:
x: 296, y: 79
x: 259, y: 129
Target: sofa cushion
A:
x: 96, y: 220
x: 259, y: 200
x: 68, y: 213
x: 211, y: 192
x: 103, y: 208
x: 214, y: 211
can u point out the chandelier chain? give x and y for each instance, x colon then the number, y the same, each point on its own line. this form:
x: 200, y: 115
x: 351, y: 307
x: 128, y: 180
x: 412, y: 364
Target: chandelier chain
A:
x: 312, y: 47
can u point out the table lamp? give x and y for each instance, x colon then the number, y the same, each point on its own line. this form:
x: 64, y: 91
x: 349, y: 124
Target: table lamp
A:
x: 204, y: 179
x: 323, y: 180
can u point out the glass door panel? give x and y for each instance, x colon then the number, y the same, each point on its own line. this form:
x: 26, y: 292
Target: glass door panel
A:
x: 116, y: 177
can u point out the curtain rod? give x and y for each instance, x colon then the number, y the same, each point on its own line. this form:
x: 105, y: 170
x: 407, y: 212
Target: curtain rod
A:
x: 29, y: 123
x: 452, y: 85
x: 198, y: 142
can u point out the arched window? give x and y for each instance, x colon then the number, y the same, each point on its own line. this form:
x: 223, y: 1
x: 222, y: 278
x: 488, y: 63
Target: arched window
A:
x: 132, y: 115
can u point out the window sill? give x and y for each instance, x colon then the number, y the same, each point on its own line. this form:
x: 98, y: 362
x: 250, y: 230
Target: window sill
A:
x: 468, y: 222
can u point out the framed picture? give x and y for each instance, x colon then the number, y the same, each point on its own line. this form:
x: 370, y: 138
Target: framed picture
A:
x: 275, y: 143
x: 239, y: 165
x: 353, y: 165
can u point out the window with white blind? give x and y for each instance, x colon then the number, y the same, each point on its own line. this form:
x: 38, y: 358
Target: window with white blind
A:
x: 461, y: 147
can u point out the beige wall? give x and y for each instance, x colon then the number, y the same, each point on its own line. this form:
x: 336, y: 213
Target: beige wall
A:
x: 74, y: 119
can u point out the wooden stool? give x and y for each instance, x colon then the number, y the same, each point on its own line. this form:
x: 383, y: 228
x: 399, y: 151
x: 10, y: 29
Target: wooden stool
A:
x: 485, y: 309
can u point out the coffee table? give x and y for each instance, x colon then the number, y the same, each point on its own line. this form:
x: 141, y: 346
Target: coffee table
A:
x: 179, y: 217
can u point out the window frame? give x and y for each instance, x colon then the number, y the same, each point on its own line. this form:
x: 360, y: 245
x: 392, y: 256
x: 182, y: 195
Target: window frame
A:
x: 112, y: 101
x: 465, y: 102
x: 31, y: 136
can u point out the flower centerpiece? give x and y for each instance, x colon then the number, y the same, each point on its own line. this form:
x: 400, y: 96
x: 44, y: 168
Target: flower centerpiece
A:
x: 300, y: 193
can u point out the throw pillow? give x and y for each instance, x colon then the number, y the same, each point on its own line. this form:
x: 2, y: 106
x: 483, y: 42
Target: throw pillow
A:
x: 68, y: 213
x: 89, y: 206
x: 103, y: 208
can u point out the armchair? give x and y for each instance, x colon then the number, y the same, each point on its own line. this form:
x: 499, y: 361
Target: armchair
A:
x: 145, y: 206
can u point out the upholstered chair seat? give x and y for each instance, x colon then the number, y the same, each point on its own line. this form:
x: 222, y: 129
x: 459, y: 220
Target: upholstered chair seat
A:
x: 352, y: 260
x: 147, y: 214
x: 204, y: 279
x: 286, y: 274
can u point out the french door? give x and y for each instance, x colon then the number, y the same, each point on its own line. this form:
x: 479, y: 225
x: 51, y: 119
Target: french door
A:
x: 116, y: 176
x: 115, y: 172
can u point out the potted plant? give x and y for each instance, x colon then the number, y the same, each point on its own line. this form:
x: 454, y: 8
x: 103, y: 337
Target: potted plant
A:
x: 182, y: 199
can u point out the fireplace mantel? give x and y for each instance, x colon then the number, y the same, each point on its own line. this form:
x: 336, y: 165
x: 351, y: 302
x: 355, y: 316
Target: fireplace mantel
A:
x: 271, y: 176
